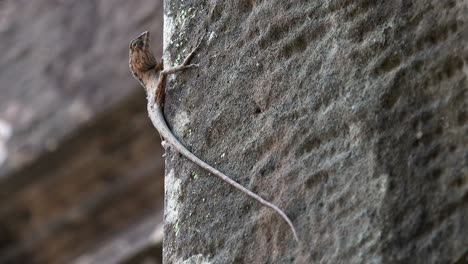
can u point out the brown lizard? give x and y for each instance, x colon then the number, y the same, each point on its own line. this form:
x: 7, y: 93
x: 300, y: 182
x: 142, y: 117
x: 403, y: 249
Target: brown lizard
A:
x: 145, y: 69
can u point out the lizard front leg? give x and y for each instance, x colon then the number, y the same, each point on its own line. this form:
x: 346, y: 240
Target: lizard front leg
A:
x: 161, y: 85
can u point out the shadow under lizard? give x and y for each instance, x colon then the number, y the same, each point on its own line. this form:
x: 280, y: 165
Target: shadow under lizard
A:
x: 152, y: 77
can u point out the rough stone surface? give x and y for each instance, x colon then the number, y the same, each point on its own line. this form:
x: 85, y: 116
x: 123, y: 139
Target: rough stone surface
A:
x: 349, y: 115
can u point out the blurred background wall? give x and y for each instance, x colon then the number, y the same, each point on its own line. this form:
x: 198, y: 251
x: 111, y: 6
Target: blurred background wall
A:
x: 81, y: 173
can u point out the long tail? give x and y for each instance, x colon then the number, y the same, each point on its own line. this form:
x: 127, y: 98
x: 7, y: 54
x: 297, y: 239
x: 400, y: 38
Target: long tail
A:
x: 172, y: 140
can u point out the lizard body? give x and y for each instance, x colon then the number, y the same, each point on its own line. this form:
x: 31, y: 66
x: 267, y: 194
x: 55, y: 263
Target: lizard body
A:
x: 145, y: 69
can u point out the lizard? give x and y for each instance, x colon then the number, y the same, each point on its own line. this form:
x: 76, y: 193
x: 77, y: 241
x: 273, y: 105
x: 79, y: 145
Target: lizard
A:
x: 152, y: 76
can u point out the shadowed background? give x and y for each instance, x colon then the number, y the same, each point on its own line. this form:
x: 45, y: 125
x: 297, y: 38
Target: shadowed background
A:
x: 81, y: 174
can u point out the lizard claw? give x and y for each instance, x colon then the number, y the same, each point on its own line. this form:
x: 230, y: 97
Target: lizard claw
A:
x: 164, y: 145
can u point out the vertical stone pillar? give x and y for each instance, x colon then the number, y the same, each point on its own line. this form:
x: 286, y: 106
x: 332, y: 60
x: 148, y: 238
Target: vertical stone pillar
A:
x: 351, y: 116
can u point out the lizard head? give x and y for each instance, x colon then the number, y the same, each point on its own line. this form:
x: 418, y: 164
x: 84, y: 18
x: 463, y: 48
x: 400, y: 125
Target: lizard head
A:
x: 141, y: 57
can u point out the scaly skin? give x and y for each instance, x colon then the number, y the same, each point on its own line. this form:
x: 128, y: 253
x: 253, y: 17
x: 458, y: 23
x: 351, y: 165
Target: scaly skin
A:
x: 145, y: 69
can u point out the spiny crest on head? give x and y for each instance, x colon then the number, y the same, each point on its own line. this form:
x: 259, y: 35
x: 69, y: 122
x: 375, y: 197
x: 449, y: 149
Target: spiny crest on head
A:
x: 142, y: 42
x: 141, y: 57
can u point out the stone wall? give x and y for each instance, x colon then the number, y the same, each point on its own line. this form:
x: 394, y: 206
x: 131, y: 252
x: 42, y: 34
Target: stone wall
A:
x: 349, y: 115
